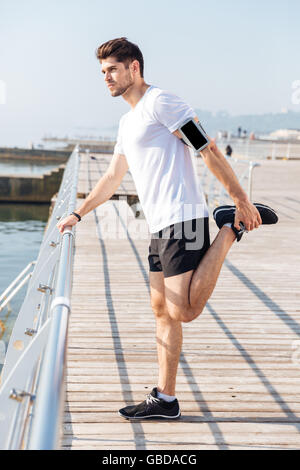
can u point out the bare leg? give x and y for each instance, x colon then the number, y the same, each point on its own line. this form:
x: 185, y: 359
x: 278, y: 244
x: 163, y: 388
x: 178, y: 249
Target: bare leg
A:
x: 168, y: 336
x: 186, y: 294
x: 182, y: 298
x: 206, y: 275
x: 169, y: 344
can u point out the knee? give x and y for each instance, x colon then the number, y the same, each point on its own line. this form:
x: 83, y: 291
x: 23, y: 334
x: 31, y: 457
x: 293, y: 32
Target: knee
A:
x: 159, y: 308
x: 185, y: 314
x: 182, y: 313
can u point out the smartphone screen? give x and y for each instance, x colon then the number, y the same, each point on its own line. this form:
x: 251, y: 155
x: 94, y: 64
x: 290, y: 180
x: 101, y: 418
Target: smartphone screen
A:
x: 194, y: 135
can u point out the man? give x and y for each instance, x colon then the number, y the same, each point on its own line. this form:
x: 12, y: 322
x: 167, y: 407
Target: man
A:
x: 184, y: 267
x: 228, y: 151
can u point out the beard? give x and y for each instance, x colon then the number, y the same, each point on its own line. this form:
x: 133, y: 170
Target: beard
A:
x: 121, y: 89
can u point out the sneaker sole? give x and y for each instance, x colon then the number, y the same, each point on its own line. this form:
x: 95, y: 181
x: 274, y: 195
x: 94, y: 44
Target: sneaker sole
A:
x: 150, y: 416
x: 230, y: 208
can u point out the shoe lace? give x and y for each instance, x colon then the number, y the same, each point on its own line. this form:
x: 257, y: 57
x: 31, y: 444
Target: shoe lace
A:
x: 151, y: 399
x: 243, y: 228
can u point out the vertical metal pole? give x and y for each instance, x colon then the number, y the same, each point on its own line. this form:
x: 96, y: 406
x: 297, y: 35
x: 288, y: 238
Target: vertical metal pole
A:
x: 247, y: 149
x: 250, y: 181
x: 274, y: 151
x: 251, y: 168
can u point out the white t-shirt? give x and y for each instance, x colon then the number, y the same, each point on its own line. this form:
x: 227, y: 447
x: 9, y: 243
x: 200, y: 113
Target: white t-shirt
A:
x: 160, y: 163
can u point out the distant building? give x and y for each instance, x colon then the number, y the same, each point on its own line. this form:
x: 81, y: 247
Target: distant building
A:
x: 222, y: 135
x: 286, y: 134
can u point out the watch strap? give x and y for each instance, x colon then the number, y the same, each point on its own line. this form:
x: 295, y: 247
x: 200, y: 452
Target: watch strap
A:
x: 77, y: 215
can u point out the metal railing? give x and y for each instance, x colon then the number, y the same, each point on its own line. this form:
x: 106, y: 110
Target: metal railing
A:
x: 7, y: 295
x: 31, y: 394
x: 261, y: 149
x: 215, y: 192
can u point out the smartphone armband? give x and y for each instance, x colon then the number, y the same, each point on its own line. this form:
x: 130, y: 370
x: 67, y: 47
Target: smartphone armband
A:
x: 193, y: 134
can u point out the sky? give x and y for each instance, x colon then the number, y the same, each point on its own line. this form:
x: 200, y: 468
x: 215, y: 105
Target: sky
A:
x: 241, y: 56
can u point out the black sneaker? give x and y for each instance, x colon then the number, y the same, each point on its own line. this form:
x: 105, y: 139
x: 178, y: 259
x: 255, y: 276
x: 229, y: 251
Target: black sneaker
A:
x: 152, y: 407
x: 225, y: 214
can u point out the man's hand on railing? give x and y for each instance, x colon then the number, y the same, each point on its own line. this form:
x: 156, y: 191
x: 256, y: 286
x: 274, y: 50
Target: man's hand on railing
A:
x: 247, y: 213
x: 69, y: 220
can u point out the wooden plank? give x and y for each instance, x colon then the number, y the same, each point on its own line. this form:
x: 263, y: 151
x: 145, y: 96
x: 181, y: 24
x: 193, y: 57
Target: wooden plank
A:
x: 194, y: 429
x: 197, y: 368
x: 224, y: 373
x: 100, y: 416
x: 207, y: 408
x: 132, y: 397
x: 188, y: 387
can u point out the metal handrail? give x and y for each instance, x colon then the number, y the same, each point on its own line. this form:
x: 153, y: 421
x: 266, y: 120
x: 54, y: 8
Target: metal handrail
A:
x: 5, y: 296
x: 262, y: 149
x: 48, y: 408
x: 42, y: 315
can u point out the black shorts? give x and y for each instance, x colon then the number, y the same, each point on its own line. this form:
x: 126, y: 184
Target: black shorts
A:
x: 180, y: 247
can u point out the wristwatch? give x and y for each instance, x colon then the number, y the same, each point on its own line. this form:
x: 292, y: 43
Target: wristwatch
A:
x: 76, y: 215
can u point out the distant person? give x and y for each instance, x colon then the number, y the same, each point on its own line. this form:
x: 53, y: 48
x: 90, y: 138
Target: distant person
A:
x: 239, y: 132
x: 228, y: 151
x: 181, y: 277
x: 245, y: 133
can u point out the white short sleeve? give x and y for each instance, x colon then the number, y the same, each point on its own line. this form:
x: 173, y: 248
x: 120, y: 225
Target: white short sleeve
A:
x: 171, y: 111
x: 119, y: 145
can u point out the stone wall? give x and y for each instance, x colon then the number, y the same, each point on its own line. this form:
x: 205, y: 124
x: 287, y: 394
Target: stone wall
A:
x: 35, y: 154
x: 23, y: 188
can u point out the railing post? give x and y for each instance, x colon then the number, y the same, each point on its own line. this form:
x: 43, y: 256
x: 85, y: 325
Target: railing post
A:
x: 288, y: 152
x: 274, y: 151
x: 247, y: 149
x: 251, y: 168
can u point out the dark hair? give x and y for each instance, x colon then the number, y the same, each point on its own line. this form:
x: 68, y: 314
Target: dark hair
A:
x: 123, y: 50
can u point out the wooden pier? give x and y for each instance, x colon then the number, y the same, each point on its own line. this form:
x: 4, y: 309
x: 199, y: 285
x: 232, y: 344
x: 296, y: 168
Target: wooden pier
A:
x: 239, y: 374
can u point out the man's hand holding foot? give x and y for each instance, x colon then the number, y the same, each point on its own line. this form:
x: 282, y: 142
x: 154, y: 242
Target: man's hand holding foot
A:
x: 244, y: 218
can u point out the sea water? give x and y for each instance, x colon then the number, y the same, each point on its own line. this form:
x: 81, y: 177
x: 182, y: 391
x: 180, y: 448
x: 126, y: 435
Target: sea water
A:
x: 21, y: 232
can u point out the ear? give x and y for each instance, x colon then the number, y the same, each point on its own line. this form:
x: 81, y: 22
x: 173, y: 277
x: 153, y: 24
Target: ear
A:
x: 135, y: 66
